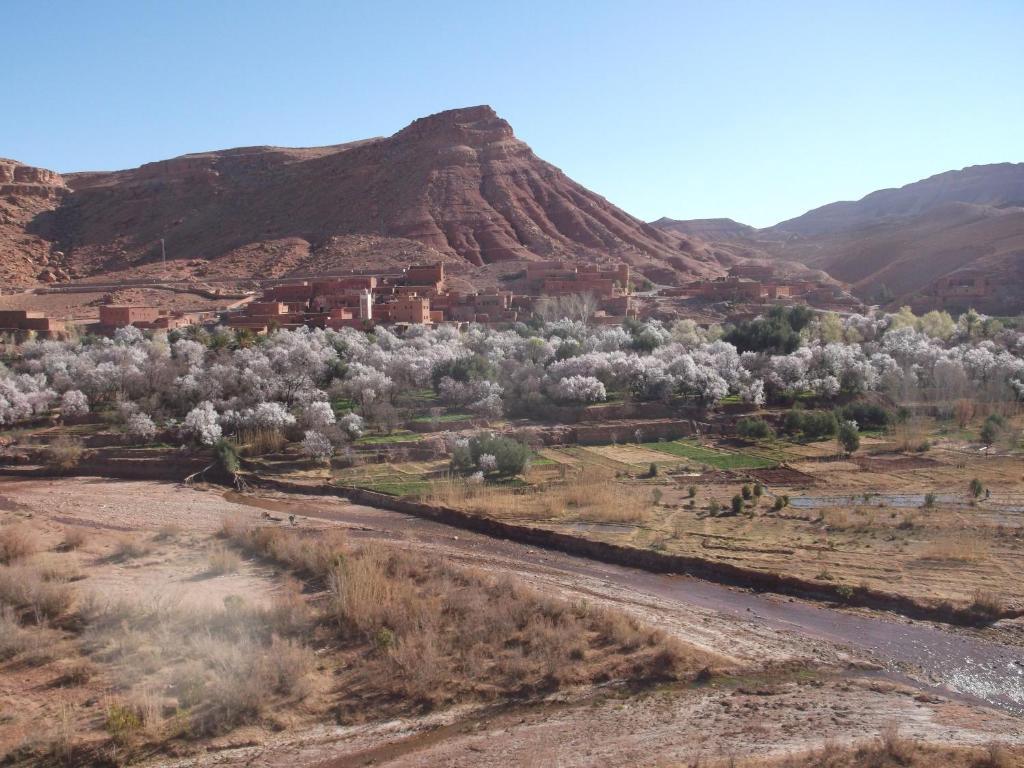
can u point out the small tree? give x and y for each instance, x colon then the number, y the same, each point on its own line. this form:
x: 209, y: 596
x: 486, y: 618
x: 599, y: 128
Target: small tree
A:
x: 991, y: 428
x: 737, y: 504
x: 316, y: 445
x: 753, y: 429
x: 140, y: 427
x: 848, y: 437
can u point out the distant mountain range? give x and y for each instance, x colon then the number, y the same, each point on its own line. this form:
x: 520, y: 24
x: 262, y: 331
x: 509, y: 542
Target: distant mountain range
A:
x: 898, y: 244
x: 459, y: 187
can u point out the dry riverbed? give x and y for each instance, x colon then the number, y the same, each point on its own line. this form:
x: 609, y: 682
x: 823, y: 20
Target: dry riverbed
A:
x: 779, y: 687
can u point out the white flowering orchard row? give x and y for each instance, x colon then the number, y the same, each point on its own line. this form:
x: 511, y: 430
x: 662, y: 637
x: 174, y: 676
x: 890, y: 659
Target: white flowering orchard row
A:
x: 287, y: 380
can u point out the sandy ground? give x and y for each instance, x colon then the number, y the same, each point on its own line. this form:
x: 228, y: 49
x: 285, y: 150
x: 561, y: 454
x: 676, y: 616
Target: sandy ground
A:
x: 753, y: 712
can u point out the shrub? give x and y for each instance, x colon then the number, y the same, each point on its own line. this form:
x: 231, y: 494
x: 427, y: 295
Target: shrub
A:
x: 140, y: 427
x: 122, y: 723
x: 753, y: 428
x: 17, y: 541
x: 129, y: 547
x: 316, y: 445
x: 222, y: 560
x: 867, y: 415
x: 510, y: 456
x: 812, y: 425
x: 25, y: 587
x: 691, y: 491
x: 226, y: 456
x: 736, y: 504
x: 746, y: 492
x: 929, y: 500
x: 758, y: 490
x: 13, y: 639
x: 976, y: 488
x: 848, y: 437
x: 714, y: 507
x: 778, y: 504
x: 64, y: 453
x: 74, y: 538
x: 992, y: 428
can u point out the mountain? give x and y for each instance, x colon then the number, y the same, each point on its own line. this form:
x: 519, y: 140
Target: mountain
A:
x: 27, y: 195
x: 951, y: 241
x: 457, y: 186
x: 992, y: 186
x: 707, y: 229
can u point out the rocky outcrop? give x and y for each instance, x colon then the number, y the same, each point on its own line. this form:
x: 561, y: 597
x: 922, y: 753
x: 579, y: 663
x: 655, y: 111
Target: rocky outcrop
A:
x: 27, y: 196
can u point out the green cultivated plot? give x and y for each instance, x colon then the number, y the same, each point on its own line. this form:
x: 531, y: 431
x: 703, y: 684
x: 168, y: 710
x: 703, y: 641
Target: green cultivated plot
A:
x: 714, y: 457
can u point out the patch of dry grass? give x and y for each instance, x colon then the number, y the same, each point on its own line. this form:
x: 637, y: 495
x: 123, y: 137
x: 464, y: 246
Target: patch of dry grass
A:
x: 963, y: 548
x: 221, y: 560
x: 892, y: 750
x: 74, y: 538
x: 438, y: 633
x: 591, y: 494
x: 18, y: 541
x: 25, y: 587
x: 129, y: 547
x: 64, y: 453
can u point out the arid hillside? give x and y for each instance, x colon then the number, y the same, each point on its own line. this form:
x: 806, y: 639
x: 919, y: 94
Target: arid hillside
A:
x: 27, y: 196
x: 457, y: 186
x: 953, y: 240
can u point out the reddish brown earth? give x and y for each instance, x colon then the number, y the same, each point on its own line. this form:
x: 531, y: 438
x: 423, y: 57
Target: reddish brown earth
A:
x: 27, y: 197
x: 904, y: 239
x: 457, y: 186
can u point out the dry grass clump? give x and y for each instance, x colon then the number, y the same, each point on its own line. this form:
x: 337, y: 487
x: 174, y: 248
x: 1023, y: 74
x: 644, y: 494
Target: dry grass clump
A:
x: 129, y: 547
x: 14, y: 639
x: 438, y: 633
x: 74, y: 538
x: 221, y: 560
x: 222, y: 667
x: 964, y: 548
x: 591, y: 494
x: 892, y: 750
x: 167, y: 532
x: 987, y: 605
x: 259, y: 441
x: 27, y: 588
x: 310, y: 556
x: 18, y: 541
x: 64, y: 453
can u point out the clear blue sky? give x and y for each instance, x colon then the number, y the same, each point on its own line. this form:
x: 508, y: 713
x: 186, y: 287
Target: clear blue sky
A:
x: 754, y: 110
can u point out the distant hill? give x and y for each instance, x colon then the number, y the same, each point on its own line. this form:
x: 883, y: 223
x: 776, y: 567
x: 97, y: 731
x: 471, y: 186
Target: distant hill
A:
x: 708, y: 229
x: 906, y: 242
x: 457, y: 186
x: 995, y: 186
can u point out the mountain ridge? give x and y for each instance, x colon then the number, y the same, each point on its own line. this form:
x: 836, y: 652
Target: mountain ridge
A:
x: 457, y: 186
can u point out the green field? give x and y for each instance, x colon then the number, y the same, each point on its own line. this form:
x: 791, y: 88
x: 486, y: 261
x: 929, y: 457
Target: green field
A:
x: 394, y: 437
x: 719, y: 459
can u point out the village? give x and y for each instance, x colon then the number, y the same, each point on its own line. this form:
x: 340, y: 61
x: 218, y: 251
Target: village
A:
x: 419, y: 295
